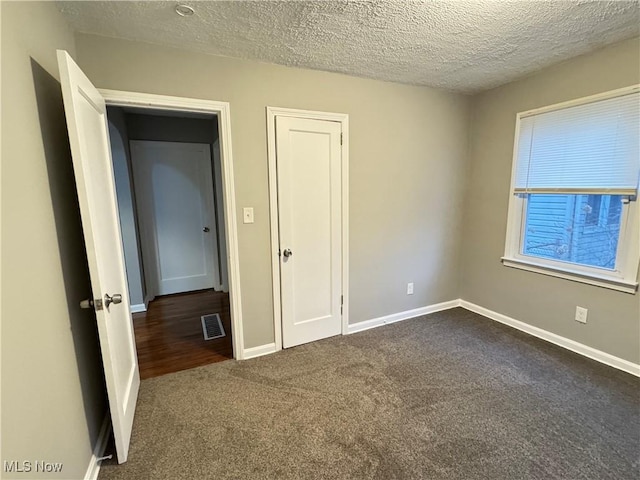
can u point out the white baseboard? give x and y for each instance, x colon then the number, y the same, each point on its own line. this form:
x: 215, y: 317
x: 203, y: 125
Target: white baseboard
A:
x: 397, y: 317
x: 564, y: 342
x: 590, y: 352
x: 98, y: 451
x: 259, y: 351
x: 140, y: 307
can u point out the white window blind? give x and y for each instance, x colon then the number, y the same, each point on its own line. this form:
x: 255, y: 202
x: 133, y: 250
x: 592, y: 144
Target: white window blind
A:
x: 588, y: 148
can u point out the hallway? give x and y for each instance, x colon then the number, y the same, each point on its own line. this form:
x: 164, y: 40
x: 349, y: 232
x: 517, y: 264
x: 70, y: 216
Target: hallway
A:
x: 169, y: 336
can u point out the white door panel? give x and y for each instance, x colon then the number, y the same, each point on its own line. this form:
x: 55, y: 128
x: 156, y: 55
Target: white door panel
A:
x: 89, y: 138
x: 309, y: 203
x: 176, y: 211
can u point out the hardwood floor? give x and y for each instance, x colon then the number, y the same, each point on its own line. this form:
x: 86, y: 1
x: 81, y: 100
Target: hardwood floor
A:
x: 169, y: 334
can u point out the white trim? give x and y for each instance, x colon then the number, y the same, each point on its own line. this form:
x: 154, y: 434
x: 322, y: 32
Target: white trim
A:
x: 343, y: 119
x: 398, y: 317
x: 98, y: 451
x: 578, y: 191
x: 572, y: 345
x: 345, y: 223
x: 259, y: 351
x: 274, y: 229
x: 576, y: 276
x: 222, y: 110
x: 140, y: 307
x: 582, y: 100
x: 564, y: 342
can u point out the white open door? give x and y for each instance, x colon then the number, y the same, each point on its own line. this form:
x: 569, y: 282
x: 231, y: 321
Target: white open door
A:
x: 309, y: 160
x: 89, y: 137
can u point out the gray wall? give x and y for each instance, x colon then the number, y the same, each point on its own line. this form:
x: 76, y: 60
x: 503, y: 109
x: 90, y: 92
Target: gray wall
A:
x: 53, y: 398
x: 408, y: 147
x: 545, y: 302
x: 121, y: 157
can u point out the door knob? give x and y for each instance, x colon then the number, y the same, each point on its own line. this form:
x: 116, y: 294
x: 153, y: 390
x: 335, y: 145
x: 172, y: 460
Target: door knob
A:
x: 287, y: 252
x: 108, y: 300
x: 205, y: 229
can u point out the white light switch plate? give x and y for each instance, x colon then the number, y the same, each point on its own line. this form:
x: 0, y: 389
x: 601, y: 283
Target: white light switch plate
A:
x: 581, y: 314
x: 247, y: 215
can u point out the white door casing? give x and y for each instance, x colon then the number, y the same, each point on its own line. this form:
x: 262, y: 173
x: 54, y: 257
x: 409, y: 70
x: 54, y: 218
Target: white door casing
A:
x: 308, y: 157
x: 223, y: 111
x: 89, y: 138
x: 176, y: 211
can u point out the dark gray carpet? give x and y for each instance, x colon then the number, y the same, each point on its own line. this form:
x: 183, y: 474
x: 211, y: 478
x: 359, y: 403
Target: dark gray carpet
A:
x: 449, y: 395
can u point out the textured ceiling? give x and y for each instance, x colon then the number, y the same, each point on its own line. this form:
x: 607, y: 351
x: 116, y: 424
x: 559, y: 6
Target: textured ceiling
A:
x: 466, y: 46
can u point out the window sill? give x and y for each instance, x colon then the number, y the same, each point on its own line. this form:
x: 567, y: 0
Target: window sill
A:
x: 576, y: 276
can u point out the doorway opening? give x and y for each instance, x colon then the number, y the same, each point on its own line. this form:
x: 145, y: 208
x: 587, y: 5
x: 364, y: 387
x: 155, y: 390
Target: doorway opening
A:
x: 169, y: 186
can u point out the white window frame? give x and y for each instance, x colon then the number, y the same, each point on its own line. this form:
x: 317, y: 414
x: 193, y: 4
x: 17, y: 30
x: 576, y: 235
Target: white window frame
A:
x: 624, y: 276
x: 603, y: 215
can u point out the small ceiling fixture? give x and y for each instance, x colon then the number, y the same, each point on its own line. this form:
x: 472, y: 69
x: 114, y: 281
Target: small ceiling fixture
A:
x: 184, y: 10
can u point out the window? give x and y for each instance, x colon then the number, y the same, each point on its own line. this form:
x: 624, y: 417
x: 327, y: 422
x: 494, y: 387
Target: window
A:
x: 592, y: 209
x: 572, y: 228
x: 573, y: 211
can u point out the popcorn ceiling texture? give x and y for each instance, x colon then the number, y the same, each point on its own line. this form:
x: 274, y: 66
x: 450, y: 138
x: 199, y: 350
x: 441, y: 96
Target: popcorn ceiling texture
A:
x: 465, y: 46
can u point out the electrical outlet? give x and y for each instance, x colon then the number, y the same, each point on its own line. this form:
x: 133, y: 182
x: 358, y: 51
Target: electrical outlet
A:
x: 409, y: 288
x: 581, y: 314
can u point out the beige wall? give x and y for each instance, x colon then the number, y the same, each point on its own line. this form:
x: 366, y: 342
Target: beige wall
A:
x: 408, y: 147
x: 53, y: 399
x: 545, y: 302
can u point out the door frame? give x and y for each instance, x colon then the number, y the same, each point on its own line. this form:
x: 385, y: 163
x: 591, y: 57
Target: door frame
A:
x: 118, y: 98
x: 343, y: 120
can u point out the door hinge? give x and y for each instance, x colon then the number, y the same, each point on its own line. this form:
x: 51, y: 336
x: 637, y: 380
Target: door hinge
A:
x: 341, y: 138
x: 341, y: 303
